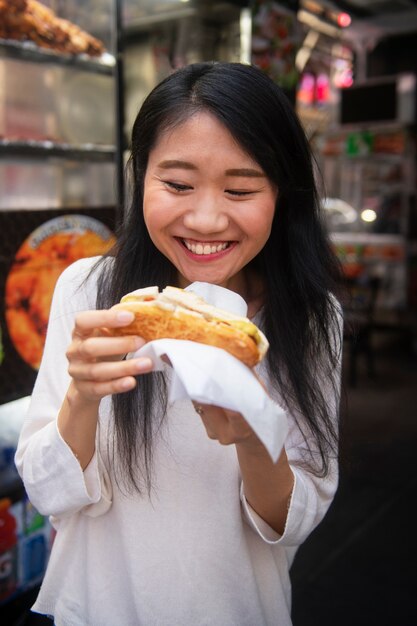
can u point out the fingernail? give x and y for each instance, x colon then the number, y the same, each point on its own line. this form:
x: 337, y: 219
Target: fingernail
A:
x: 138, y: 342
x: 125, y: 316
x: 128, y: 383
x: 143, y: 364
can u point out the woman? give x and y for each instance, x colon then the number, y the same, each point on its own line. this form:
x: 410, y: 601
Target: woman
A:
x: 158, y: 524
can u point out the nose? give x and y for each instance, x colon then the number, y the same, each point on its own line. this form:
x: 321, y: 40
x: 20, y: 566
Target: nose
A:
x: 206, y: 216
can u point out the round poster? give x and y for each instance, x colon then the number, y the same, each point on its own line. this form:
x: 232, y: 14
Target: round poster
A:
x: 37, y: 265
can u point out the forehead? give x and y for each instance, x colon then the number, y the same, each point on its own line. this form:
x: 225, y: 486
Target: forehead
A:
x: 200, y: 132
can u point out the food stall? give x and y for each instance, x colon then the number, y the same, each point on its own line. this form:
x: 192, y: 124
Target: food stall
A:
x: 58, y: 199
x: 369, y: 168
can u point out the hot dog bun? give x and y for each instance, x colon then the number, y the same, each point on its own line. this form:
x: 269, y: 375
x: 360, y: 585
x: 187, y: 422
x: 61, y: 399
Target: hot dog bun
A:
x: 178, y: 314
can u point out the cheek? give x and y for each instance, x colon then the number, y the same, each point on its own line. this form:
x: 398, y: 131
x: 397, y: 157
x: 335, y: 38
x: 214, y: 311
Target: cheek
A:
x: 159, y: 207
x: 147, y: 216
x: 153, y: 221
x: 152, y: 204
x: 159, y: 221
x: 154, y: 212
x: 258, y: 223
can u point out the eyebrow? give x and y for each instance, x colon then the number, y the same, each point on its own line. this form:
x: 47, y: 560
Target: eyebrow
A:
x: 172, y: 164
x: 245, y: 171
x: 186, y: 165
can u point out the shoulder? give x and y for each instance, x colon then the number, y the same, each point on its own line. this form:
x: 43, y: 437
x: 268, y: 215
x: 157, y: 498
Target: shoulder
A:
x: 79, y: 280
x: 84, y: 269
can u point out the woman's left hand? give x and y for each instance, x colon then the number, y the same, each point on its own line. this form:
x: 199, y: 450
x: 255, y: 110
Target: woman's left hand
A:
x: 227, y: 427
x: 268, y: 485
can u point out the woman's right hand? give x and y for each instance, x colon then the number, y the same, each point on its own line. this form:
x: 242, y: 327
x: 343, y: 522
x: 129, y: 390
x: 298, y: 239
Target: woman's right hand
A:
x: 96, y: 363
x: 97, y: 369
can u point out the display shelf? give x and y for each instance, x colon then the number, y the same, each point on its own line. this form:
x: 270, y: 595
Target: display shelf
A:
x: 365, y: 158
x: 59, y: 159
x: 28, y: 51
x: 42, y: 149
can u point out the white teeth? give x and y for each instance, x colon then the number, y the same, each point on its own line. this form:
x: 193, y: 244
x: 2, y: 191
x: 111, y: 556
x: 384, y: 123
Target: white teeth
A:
x: 206, y: 248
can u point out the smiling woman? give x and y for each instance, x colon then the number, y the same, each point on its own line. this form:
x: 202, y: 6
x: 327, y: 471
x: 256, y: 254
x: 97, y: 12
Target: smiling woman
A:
x: 182, y: 502
x: 209, y: 217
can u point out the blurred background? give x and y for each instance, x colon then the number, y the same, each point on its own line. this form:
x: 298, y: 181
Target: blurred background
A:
x: 73, y: 74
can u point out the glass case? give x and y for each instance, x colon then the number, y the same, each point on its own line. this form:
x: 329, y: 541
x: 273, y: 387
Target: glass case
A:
x: 58, y: 162
x: 67, y: 104
x: 58, y: 170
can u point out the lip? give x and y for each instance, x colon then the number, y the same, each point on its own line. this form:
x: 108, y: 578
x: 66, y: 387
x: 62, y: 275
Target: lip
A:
x: 204, y: 258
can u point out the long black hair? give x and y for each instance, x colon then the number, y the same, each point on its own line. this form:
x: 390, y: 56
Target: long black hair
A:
x: 298, y: 268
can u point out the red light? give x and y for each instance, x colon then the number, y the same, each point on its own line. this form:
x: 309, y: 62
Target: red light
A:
x: 344, y: 20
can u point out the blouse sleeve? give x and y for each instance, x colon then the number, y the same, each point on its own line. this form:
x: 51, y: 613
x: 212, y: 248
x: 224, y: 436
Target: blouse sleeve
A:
x: 311, y: 495
x: 53, y: 478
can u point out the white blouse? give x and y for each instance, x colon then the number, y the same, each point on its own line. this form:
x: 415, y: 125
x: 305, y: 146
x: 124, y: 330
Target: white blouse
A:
x: 194, y: 553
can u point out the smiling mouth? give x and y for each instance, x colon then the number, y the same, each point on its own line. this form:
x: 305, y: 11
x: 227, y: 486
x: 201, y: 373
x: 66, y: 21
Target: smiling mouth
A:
x: 205, y: 248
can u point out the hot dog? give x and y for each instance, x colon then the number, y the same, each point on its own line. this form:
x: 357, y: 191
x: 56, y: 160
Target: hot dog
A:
x: 178, y: 314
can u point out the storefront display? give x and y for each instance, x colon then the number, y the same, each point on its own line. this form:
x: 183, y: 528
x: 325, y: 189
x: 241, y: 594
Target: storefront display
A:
x: 276, y: 37
x: 58, y: 203
x: 25, y: 542
x: 32, y: 21
x: 370, y: 186
x: 58, y: 165
x: 158, y: 37
x: 38, y: 263
x: 26, y: 536
x: 383, y: 257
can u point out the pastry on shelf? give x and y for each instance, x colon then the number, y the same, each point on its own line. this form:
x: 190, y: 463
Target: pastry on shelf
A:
x: 29, y: 20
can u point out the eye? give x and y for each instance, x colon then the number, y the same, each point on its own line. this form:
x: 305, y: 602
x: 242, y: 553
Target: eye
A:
x: 176, y: 186
x: 237, y: 192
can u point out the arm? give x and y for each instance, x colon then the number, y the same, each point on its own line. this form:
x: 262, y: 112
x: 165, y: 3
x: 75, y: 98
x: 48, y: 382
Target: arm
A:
x: 268, y: 486
x: 286, y: 496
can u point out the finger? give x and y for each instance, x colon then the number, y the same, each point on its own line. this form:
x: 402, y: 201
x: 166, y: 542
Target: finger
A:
x: 236, y: 419
x: 214, y: 421
x: 98, y: 390
x: 238, y: 426
x: 226, y: 426
x: 217, y: 412
x: 99, y: 347
x: 88, y: 321
x: 201, y: 410
x: 219, y: 431
x: 103, y: 371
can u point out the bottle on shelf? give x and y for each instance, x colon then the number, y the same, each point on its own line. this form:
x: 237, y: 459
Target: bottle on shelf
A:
x: 8, y: 551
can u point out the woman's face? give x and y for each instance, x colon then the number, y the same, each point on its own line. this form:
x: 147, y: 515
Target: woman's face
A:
x: 208, y: 206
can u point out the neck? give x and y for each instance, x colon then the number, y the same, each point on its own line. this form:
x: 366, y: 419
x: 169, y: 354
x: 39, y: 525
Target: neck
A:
x: 250, y: 286
x: 247, y: 284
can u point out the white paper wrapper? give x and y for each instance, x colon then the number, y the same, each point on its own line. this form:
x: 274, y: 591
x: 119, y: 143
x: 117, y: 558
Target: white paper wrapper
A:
x: 213, y: 376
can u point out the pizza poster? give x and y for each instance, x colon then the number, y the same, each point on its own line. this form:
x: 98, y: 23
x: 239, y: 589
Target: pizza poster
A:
x: 29, y: 272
